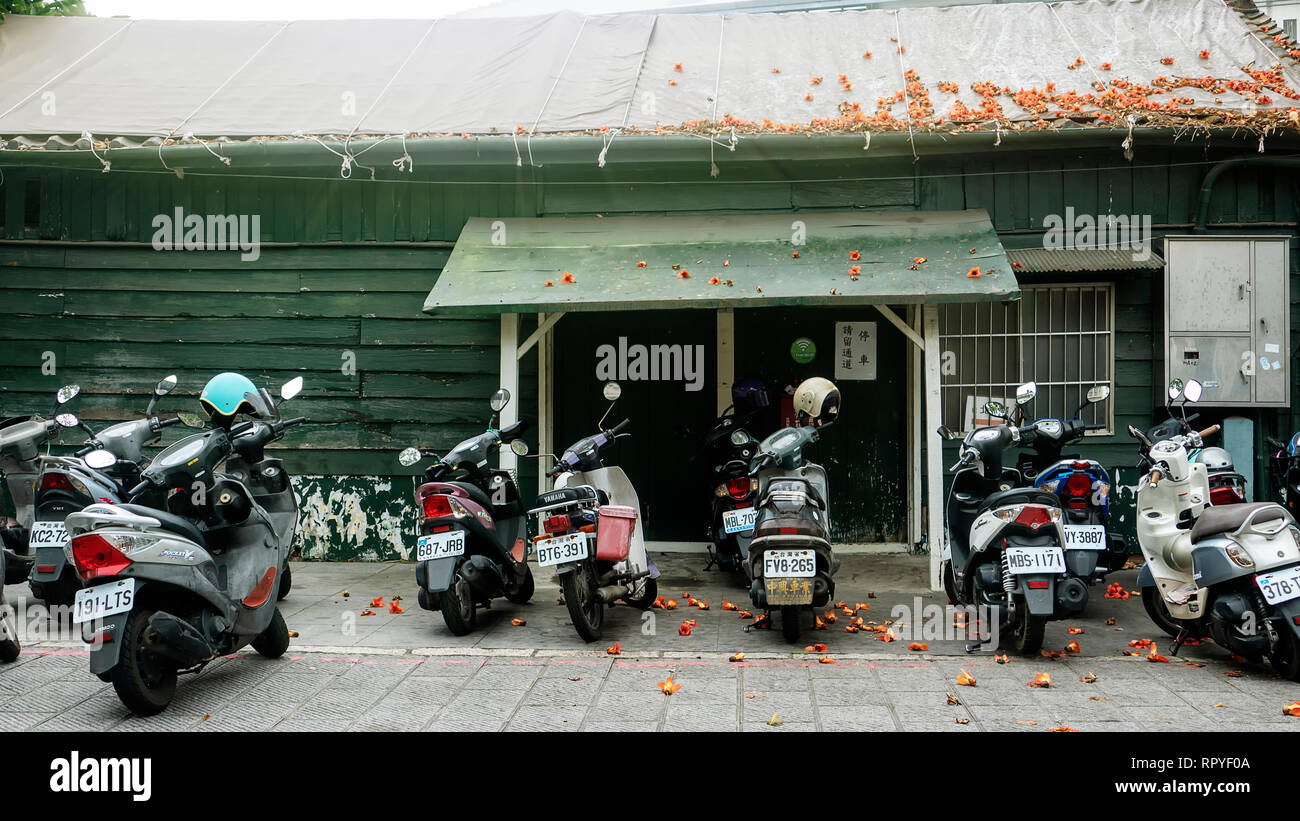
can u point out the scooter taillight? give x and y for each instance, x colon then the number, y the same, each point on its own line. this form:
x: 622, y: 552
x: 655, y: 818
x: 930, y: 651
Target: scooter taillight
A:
x: 556, y: 524
x: 55, y: 481
x: 1033, y: 516
x: 437, y: 505
x: 1078, y: 487
x: 1226, y: 496
x: 94, y: 556
x: 739, y: 488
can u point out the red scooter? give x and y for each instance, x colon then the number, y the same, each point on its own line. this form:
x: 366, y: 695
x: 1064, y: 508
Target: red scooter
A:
x: 473, y: 542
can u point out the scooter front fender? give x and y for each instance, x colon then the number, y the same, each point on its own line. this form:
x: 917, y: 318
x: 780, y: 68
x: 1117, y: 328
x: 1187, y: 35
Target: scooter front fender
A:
x: 1145, y: 579
x: 1040, y: 600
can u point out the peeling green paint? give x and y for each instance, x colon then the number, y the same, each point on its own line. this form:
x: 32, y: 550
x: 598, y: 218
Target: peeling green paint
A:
x: 355, y: 518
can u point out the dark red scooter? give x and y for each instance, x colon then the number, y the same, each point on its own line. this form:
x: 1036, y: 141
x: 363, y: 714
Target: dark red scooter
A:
x: 473, y: 542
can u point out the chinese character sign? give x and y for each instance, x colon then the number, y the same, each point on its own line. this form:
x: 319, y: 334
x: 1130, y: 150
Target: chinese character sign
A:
x: 855, y: 350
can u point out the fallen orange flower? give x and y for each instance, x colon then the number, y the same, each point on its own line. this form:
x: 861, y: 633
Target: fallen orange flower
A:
x: 860, y: 606
x: 714, y: 281
x: 367, y: 613
x: 965, y: 679
x: 737, y: 657
x: 850, y: 628
x: 668, y: 686
x: 658, y: 602
x: 1074, y: 631
x: 1072, y: 647
x: 1041, y: 680
x: 548, y: 283
x: 1002, y: 659
x: 825, y: 660
x: 726, y: 605
x: 794, y: 254
x: 615, y: 650
x: 818, y: 623
x: 677, y: 66
x: 887, y: 636
x: 974, y: 273
x: 671, y: 604
x: 701, y: 604
x: 394, y: 607
x: 518, y: 622
x: 829, y: 617
x: 855, y: 269
x: 918, y: 646
x: 684, y: 274
x: 685, y: 629
x: 919, y: 260
x: 1141, y: 643
x: 568, y: 278
x: 1292, y: 709
x: 815, y: 648
x: 745, y: 614
x: 1063, y: 729
x: 854, y: 256
x: 377, y: 601
x: 763, y: 622
x: 641, y: 264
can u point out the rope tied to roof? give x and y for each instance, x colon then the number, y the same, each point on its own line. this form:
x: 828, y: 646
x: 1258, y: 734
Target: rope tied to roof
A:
x: 529, y: 142
x: 90, y: 138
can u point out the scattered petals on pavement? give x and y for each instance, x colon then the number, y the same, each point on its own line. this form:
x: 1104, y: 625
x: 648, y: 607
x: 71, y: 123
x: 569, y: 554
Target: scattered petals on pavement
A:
x: 775, y: 720
x: 1072, y: 647
x: 965, y: 679
x: 745, y: 614
x: 918, y: 646
x: 736, y: 657
x: 726, y: 605
x: 825, y: 660
x: 961, y: 721
x: 815, y: 648
x: 367, y: 613
x: 1292, y: 709
x: 953, y: 700
x: 394, y: 607
x: 615, y: 650
x: 1043, y: 680
x: 1074, y: 631
x: 668, y: 686
x: 1088, y: 679
x: 1063, y: 729
x: 1115, y: 590
x: 1002, y: 658
x: 518, y: 622
x: 377, y: 601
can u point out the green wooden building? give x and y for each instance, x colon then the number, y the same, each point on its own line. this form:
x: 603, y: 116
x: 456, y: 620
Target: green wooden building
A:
x: 845, y: 194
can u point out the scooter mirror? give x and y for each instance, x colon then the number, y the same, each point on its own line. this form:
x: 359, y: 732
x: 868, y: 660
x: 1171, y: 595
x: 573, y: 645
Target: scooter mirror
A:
x: 1192, y: 391
x: 1026, y: 392
x: 946, y: 432
x: 408, y: 457
x: 612, y: 391
x: 99, y: 459
x: 519, y: 447
x: 1098, y: 393
x: 740, y: 437
x: 994, y: 408
x: 1175, y: 388
x: 67, y: 420
x: 291, y: 388
x: 165, y: 386
x: 66, y: 393
x: 190, y: 420
x: 499, y: 400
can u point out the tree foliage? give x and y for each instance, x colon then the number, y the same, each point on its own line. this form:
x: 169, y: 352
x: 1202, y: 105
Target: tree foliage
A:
x: 61, y: 8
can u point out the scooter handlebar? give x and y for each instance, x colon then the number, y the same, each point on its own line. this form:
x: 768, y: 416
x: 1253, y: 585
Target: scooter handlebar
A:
x: 167, y: 423
x: 1211, y: 430
x: 620, y: 427
x: 137, y: 490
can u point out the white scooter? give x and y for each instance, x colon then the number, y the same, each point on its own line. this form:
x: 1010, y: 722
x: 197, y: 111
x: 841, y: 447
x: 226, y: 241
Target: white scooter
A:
x: 592, y: 533
x: 1231, y: 571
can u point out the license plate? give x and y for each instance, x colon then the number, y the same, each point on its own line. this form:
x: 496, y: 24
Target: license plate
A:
x: 785, y: 591
x: 1280, y: 585
x: 740, y: 520
x: 791, y: 564
x: 103, y: 600
x: 1035, y: 559
x: 562, y: 549
x: 440, y: 545
x: 1085, y: 537
x: 48, y: 534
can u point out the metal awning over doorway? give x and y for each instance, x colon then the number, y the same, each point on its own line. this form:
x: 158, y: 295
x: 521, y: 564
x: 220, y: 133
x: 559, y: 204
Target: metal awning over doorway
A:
x: 552, y: 266
x: 642, y: 263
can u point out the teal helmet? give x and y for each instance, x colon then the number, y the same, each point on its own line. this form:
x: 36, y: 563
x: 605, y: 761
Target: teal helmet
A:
x: 227, y: 394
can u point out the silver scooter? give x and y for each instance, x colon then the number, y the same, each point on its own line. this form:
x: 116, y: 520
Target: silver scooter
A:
x: 21, y: 440
x: 193, y: 575
x: 67, y: 484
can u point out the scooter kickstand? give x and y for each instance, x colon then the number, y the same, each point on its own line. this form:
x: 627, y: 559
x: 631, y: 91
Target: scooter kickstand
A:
x: 713, y: 559
x: 1183, y: 635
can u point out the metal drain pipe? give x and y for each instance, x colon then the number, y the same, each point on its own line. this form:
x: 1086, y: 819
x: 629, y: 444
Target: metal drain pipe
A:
x: 1212, y: 176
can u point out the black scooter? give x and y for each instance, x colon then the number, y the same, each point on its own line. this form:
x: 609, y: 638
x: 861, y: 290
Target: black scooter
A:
x: 473, y: 543
x: 726, y: 450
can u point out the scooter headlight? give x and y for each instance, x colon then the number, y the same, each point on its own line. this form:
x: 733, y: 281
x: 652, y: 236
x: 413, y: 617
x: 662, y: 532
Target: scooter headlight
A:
x: 1239, y: 556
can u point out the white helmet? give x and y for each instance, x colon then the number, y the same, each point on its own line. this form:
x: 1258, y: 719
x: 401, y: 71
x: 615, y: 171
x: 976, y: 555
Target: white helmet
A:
x: 818, y: 398
x: 1216, y: 460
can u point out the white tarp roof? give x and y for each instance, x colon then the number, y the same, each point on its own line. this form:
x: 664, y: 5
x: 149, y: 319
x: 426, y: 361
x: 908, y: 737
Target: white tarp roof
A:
x: 572, y: 73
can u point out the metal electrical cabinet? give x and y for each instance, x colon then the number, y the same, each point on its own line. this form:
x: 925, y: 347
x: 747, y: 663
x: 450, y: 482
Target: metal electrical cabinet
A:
x: 1226, y: 317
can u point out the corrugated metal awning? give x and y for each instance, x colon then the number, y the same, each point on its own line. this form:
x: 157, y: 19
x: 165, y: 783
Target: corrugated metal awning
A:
x: 1044, y: 261
x: 739, y: 261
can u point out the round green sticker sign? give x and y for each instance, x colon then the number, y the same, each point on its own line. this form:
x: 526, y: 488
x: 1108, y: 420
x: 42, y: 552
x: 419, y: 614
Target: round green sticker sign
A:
x: 802, y: 350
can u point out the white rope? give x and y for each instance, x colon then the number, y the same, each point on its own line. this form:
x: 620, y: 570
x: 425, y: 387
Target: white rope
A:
x: 898, y: 39
x: 717, y: 84
x: 404, y: 162
x: 1077, y: 50
x: 90, y: 138
x: 70, y: 66
x: 227, y: 81
x: 555, y: 85
x: 384, y: 90
x: 636, y: 81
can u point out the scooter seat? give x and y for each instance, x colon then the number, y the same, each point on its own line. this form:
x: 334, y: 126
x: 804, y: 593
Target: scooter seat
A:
x: 569, y: 495
x: 1020, y: 496
x: 1225, y: 519
x: 170, y: 522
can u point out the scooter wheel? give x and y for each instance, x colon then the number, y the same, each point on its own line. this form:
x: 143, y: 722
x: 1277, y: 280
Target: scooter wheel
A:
x: 458, y: 606
x: 585, y: 608
x: 1154, y: 604
x: 1285, y: 658
x: 790, y: 623
x: 647, y: 597
x: 274, y: 640
x: 1027, y: 631
x: 9, y: 647
x: 950, y: 584
x: 524, y: 592
x: 286, y: 582
x: 145, y: 682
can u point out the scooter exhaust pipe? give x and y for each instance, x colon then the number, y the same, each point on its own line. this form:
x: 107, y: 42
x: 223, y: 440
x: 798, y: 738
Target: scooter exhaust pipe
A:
x: 176, y: 639
x: 611, y: 593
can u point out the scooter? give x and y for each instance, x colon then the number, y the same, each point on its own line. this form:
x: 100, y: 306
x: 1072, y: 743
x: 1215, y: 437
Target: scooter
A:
x: 592, y: 536
x: 9, y: 645
x: 1083, y: 487
x: 188, y: 570
x: 790, y: 562
x: 1005, y: 541
x: 473, y: 543
x: 1231, y: 571
x: 727, y: 449
x: 68, y: 484
x: 1286, y: 472
x: 21, y: 440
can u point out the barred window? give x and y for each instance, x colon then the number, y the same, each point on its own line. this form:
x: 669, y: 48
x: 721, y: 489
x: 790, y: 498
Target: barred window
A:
x: 1058, y: 336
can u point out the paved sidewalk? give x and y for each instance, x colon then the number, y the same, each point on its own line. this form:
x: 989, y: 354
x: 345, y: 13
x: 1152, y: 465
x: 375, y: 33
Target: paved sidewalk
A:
x: 406, y: 672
